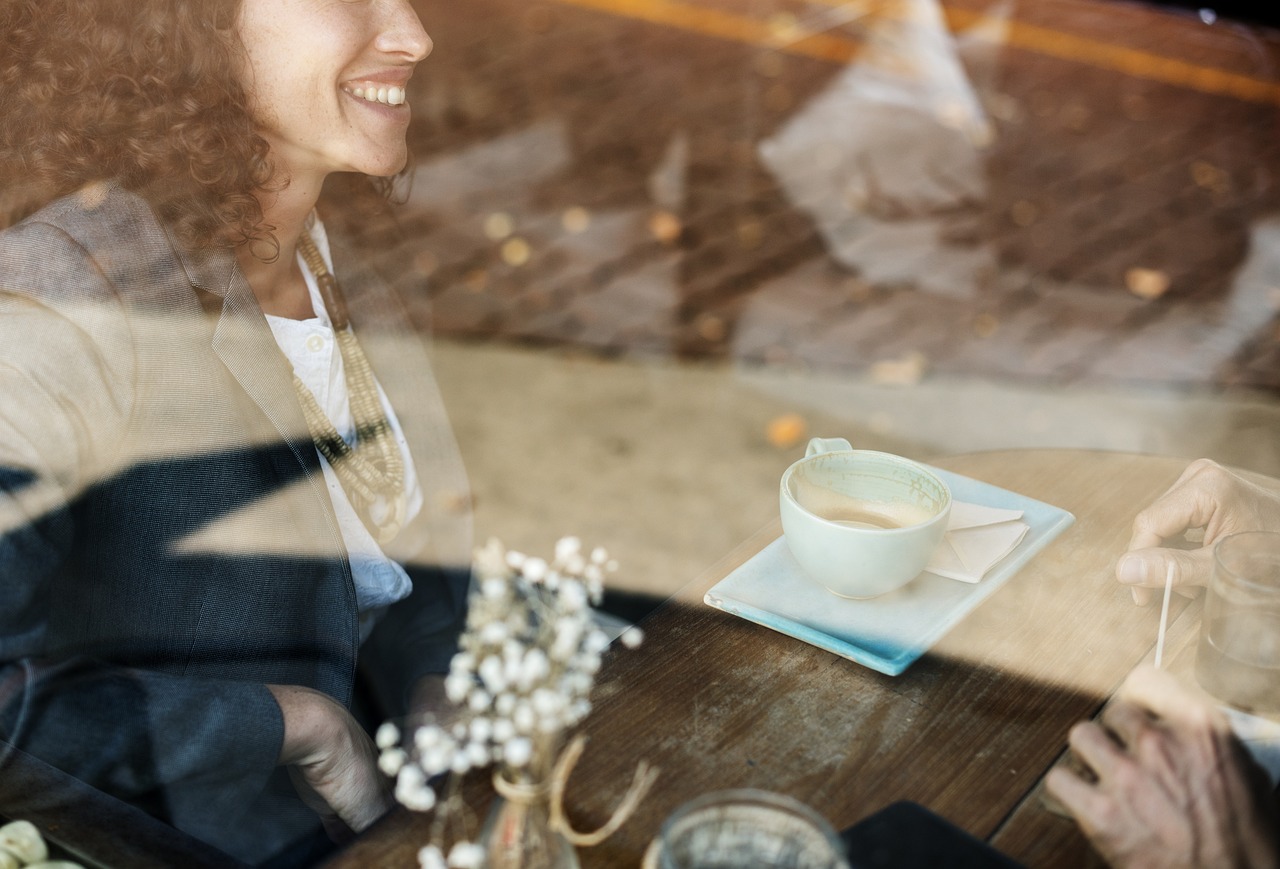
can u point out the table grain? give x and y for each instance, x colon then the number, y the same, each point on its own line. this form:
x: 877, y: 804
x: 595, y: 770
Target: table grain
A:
x: 968, y: 731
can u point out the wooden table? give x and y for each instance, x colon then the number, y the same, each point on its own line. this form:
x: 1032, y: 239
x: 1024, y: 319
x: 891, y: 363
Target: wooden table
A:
x: 968, y: 731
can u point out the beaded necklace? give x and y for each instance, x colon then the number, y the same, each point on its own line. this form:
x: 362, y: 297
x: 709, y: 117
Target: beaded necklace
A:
x: 371, y: 472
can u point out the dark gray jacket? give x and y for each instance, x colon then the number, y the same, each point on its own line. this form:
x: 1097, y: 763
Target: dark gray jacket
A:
x: 167, y: 544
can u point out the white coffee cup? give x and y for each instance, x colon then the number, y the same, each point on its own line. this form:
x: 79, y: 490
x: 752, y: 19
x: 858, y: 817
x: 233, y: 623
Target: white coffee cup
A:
x: 861, y: 522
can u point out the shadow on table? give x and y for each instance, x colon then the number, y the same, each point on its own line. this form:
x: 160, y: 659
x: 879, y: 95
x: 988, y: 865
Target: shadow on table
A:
x: 908, y: 836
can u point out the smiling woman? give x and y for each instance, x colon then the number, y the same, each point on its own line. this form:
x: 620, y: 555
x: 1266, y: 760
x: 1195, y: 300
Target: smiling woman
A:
x: 232, y: 514
x: 321, y: 78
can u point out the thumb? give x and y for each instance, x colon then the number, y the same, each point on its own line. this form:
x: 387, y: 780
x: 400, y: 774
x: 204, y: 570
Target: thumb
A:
x: 1145, y: 569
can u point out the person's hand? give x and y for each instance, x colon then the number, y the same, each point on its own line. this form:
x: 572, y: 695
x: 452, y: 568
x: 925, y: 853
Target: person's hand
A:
x: 1206, y: 496
x: 1174, y: 786
x: 334, y: 761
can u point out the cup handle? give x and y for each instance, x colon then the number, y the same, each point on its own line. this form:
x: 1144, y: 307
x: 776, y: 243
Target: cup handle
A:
x: 826, y: 445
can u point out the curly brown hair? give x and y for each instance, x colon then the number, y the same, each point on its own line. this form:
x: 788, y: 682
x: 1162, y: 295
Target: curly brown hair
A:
x: 140, y: 92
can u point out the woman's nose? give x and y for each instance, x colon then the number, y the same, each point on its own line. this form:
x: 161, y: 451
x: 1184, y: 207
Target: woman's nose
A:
x: 402, y: 32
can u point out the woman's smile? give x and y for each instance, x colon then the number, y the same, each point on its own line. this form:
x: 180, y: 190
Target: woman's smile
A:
x: 329, y: 83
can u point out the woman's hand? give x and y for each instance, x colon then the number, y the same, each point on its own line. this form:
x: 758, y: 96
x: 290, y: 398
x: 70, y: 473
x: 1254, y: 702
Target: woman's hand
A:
x: 333, y: 757
x: 1206, y: 496
x: 1174, y: 786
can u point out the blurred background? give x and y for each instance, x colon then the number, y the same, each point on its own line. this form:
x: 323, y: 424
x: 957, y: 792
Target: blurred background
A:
x: 660, y: 243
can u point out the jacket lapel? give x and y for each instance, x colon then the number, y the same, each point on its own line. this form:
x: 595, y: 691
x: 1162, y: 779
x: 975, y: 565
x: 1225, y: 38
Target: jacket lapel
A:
x: 245, y: 345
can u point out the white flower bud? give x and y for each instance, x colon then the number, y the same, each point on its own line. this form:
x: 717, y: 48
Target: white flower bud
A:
x: 568, y: 631
x: 457, y: 686
x: 632, y: 637
x: 477, y: 701
x: 597, y: 641
x: 505, y: 704
x: 387, y: 736
x: 563, y: 647
x: 579, y: 710
x: 429, y: 857
x: 575, y: 565
x: 22, y: 839
x: 567, y: 547
x: 534, y: 570
x: 481, y: 729
x: 546, y: 703
x: 503, y: 731
x: 517, y: 752
x: 578, y: 683
x: 460, y: 764
x: 427, y: 737
x: 493, y: 633
x: 466, y: 855
x: 493, y: 588
x: 421, y: 800
x: 511, y: 671
x: 599, y: 555
x: 533, y: 669
x: 412, y: 790
x: 391, y: 760
x: 435, y: 760
x: 491, y: 673
x: 459, y: 731
x: 515, y: 559
x: 477, y: 754
x: 573, y: 596
x: 523, y: 718
x: 463, y: 662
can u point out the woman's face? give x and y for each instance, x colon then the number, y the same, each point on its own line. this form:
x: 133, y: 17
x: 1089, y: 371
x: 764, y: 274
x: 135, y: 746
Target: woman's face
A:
x: 326, y: 82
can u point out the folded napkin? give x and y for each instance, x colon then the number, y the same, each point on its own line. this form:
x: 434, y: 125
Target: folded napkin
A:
x: 977, y: 539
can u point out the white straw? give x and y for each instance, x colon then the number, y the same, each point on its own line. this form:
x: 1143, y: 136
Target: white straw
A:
x: 1164, y: 614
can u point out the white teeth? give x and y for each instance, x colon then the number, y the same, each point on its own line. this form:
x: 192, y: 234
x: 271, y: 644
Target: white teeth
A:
x: 388, y: 96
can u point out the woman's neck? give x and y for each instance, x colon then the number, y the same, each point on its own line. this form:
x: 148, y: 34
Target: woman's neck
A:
x: 277, y: 281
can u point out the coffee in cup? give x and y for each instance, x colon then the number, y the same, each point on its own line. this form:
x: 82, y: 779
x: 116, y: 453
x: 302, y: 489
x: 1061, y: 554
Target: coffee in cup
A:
x: 861, y: 522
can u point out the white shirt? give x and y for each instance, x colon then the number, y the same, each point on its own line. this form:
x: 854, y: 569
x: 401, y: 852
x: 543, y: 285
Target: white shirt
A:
x: 312, y: 349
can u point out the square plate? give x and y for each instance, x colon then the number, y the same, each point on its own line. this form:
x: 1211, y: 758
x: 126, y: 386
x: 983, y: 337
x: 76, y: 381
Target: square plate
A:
x: 886, y: 633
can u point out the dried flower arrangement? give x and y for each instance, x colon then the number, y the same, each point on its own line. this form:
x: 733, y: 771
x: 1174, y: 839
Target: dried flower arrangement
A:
x: 522, y: 680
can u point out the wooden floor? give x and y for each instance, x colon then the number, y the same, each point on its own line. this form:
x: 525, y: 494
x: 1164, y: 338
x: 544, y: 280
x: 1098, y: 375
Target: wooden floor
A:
x: 1049, y: 191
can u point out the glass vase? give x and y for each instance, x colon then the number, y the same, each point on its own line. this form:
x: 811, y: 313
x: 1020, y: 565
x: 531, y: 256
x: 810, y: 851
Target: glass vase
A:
x: 518, y: 832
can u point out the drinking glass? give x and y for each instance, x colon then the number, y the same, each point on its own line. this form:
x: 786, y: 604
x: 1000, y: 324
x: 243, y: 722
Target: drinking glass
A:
x: 1238, y: 656
x: 736, y: 828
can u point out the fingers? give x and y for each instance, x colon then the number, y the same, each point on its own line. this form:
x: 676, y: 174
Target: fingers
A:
x: 1147, y: 568
x: 1125, y: 721
x: 1078, y: 797
x: 1191, y: 502
x: 1095, y: 748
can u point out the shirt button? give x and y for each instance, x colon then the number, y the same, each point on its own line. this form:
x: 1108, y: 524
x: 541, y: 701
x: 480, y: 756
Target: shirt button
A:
x: 315, y: 343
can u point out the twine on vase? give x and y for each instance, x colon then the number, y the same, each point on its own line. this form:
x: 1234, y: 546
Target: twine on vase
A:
x: 520, y: 793
x: 644, y: 778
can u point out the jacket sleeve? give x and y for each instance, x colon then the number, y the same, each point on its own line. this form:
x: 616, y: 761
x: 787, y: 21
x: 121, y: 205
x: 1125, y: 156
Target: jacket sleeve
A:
x: 185, y: 749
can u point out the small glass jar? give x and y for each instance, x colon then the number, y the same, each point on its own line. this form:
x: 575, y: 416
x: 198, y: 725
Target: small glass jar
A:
x: 1238, y: 656
x: 736, y: 828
